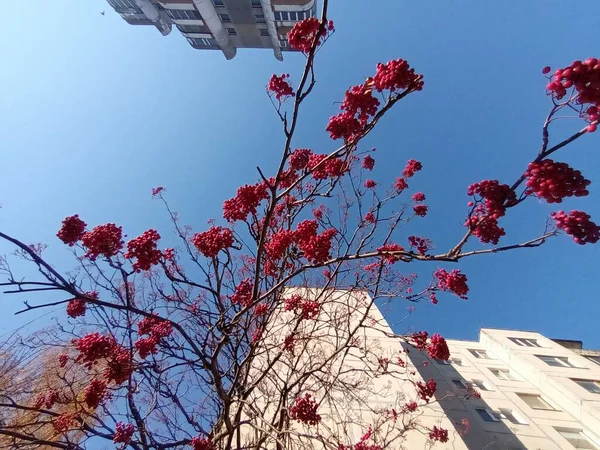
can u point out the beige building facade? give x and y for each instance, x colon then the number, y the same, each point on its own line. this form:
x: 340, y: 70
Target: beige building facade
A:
x: 224, y: 25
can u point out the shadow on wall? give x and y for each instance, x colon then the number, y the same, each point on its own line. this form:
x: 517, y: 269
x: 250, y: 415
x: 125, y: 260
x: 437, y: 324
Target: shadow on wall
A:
x: 460, y: 401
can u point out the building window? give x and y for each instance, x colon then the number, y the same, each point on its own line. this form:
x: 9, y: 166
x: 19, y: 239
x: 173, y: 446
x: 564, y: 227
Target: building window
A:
x: 524, y: 342
x: 486, y: 415
x: 122, y: 3
x: 284, y: 43
x: 225, y: 17
x: 202, y: 42
x: 184, y: 14
x: 255, y: 3
x: 589, y: 385
x: 481, y: 385
x: 264, y: 32
x: 576, y: 438
x: 193, y: 29
x: 556, y: 361
x: 259, y: 18
x: 536, y: 402
x: 594, y: 359
x: 459, y: 384
x: 509, y: 415
x: 218, y: 3
x: 480, y: 354
x: 502, y: 374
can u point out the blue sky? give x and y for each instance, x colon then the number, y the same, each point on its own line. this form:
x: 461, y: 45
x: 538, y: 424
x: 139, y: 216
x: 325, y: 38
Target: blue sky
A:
x: 95, y: 112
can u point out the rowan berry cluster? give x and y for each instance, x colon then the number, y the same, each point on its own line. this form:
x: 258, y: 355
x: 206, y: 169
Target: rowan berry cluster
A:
x: 304, y: 410
x: 578, y: 225
x: 554, y: 181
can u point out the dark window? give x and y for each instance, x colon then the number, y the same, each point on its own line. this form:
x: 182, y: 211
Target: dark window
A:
x: 193, y: 29
x: 184, y: 14
x: 225, y: 17
x: 218, y: 3
x: 231, y: 31
x: 259, y: 18
x: 264, y: 32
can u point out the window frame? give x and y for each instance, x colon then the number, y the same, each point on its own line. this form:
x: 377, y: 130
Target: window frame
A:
x: 225, y: 17
x: 507, y: 414
x: 579, y: 432
x: 542, y: 400
x: 594, y: 383
x: 255, y: 3
x: 180, y: 12
x: 231, y: 31
x: 490, y: 414
x: 477, y: 352
x: 562, y: 361
x: 509, y: 376
x: 218, y: 2
x: 525, y: 342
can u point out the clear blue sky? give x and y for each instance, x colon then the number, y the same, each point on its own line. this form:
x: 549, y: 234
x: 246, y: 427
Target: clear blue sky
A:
x: 95, y: 112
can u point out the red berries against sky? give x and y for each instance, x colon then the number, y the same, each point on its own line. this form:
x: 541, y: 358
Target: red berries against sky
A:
x: 76, y: 308
x: 94, y: 346
x: 385, y: 249
x: 123, y: 433
x: 396, y: 75
x: 584, y: 78
x: 211, y: 242
x: 103, y: 240
x: 315, y: 247
x: 420, y: 210
x: 144, y: 248
x: 299, y: 158
x: 359, y: 101
x: 484, y: 227
x: 496, y: 196
x: 578, y: 225
x: 304, y: 33
x: 156, y: 329
x: 245, y: 202
x: 279, y: 86
x: 370, y: 184
x: 453, y: 281
x: 420, y: 244
x: 95, y: 393
x: 243, y: 293
x: 400, y: 184
x: 344, y: 126
x: 412, y: 167
x: 418, y: 197
x: 72, y: 230
x: 554, y: 181
x: 368, y: 162
x: 304, y: 410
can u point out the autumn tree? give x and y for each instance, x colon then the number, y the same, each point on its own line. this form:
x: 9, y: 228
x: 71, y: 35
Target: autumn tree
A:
x: 246, y: 335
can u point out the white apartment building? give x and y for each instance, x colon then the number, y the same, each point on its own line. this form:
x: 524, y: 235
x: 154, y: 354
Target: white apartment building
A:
x: 536, y: 393
x: 515, y: 390
x: 224, y: 25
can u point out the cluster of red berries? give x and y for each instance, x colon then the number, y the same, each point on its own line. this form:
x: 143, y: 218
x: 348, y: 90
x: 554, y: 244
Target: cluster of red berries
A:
x: 119, y: 367
x: 453, y: 281
x: 76, y: 308
x: 584, y: 77
x: 418, y: 197
x: 304, y: 33
x: 63, y: 359
x: 199, y: 443
x: 360, y: 102
x: 484, y: 227
x: 123, y: 433
x: 578, y: 225
x: 94, y: 346
x: 420, y: 244
x: 496, y: 196
x: 420, y: 210
x: 144, y: 248
x: 321, y: 169
x: 400, y: 184
x: 212, y: 241
x: 245, y: 202
x: 412, y: 166
x: 310, y: 309
x: 419, y: 340
x: 243, y: 293
x: 554, y: 181
x: 344, y: 126
x: 397, y: 75
x: 370, y: 184
x: 438, y: 434
x: 104, y: 240
x: 156, y: 329
x: 427, y: 390
x: 279, y: 86
x: 387, y: 248
x: 299, y: 158
x: 438, y: 348
x: 370, y: 217
x: 278, y: 244
x: 305, y: 410
x: 293, y: 302
x: 315, y: 247
x: 95, y: 393
x: 368, y: 162
x: 72, y: 230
